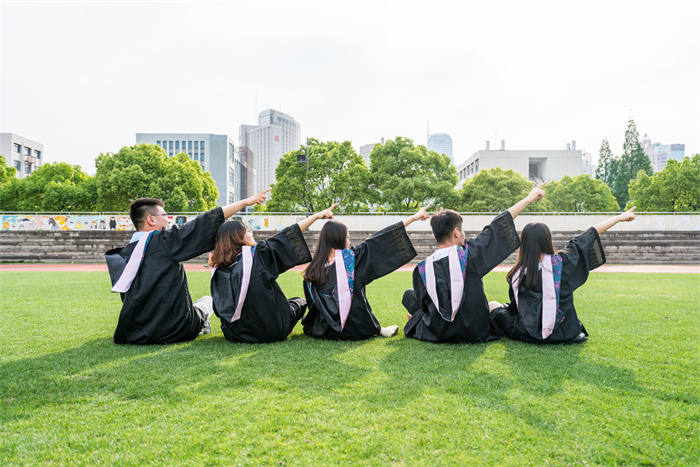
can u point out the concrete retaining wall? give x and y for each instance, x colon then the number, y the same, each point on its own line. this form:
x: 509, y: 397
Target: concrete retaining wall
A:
x: 621, y: 247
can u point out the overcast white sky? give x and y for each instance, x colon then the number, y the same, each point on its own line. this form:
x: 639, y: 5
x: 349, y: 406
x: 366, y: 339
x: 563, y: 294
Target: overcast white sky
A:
x: 84, y: 77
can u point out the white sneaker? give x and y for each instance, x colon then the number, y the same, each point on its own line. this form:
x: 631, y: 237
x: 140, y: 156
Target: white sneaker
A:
x: 390, y: 331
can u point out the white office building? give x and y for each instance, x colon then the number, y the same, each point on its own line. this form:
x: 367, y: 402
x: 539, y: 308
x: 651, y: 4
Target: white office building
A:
x: 229, y: 166
x: 366, y: 151
x: 659, y: 154
x: 441, y: 143
x: 275, y: 135
x: 22, y: 153
x: 535, y: 165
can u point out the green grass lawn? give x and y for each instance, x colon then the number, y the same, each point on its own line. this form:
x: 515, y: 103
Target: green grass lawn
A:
x: 630, y: 395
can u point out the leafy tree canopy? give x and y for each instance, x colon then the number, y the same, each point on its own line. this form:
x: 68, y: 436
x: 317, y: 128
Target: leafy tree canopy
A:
x: 495, y: 190
x: 53, y: 187
x: 409, y: 177
x: 675, y: 189
x: 336, y: 174
x: 145, y: 171
x: 6, y: 173
x: 580, y: 194
x: 633, y: 160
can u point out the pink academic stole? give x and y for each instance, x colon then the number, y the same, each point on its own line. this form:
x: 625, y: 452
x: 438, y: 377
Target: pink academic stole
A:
x: 132, y: 266
x: 345, y: 276
x: 551, y: 285
x: 247, y: 255
x: 457, y: 258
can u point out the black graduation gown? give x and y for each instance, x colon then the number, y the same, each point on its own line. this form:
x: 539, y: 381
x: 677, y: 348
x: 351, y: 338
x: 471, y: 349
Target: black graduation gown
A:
x: 582, y: 254
x: 379, y: 255
x: 158, y: 309
x: 472, y: 322
x: 266, y: 315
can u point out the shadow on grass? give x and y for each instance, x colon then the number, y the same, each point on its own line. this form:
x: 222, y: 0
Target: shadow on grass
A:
x: 100, y: 369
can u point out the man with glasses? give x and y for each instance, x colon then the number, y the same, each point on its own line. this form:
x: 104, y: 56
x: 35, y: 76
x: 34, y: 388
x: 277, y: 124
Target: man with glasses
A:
x: 156, y: 303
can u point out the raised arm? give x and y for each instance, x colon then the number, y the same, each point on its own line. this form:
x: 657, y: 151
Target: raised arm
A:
x: 421, y: 215
x: 233, y: 208
x: 536, y: 194
x: 626, y: 216
x: 327, y: 214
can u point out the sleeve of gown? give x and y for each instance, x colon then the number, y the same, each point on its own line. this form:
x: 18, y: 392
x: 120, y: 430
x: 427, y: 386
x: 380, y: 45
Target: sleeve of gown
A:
x: 283, y: 251
x: 493, y: 245
x: 583, y: 253
x: 382, y: 253
x: 193, y: 238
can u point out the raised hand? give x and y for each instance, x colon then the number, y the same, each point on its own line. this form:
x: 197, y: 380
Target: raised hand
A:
x: 259, y: 198
x: 422, y: 213
x: 628, y: 215
x: 537, y: 192
x: 328, y: 213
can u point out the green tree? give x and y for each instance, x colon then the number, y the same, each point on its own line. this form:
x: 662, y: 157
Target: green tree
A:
x: 145, y: 171
x: 336, y: 174
x: 495, y: 190
x: 633, y: 160
x: 6, y: 173
x: 53, y: 187
x: 580, y: 194
x: 409, y: 176
x: 606, y: 164
x: 674, y: 189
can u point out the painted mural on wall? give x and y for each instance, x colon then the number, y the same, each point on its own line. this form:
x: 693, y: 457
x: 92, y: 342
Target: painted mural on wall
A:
x: 361, y: 223
x: 69, y: 222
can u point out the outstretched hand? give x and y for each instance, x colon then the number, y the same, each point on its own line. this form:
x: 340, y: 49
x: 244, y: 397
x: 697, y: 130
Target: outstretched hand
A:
x: 537, y: 192
x: 628, y: 216
x: 422, y: 213
x: 328, y: 213
x: 259, y: 198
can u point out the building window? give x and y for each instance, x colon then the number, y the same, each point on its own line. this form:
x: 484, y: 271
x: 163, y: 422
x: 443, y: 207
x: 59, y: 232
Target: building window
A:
x: 170, y: 145
x: 18, y: 166
x: 190, y: 154
x: 177, y: 145
x: 201, y: 145
x: 171, y: 154
x: 189, y: 146
x: 196, y: 144
x: 196, y: 156
x: 28, y: 168
x: 158, y: 143
x: 28, y: 150
x: 184, y: 145
x: 37, y: 154
x: 202, y: 158
x: 18, y: 148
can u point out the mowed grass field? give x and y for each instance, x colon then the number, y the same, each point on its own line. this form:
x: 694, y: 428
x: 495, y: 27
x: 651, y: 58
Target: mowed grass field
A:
x: 628, y: 396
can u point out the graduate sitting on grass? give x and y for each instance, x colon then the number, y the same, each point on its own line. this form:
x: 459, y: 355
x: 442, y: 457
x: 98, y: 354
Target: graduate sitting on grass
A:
x: 447, y: 302
x: 247, y: 299
x: 336, y: 278
x: 542, y: 283
x: 156, y: 303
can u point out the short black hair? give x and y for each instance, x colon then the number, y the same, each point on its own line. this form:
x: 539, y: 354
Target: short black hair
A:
x: 443, y: 223
x: 141, y: 208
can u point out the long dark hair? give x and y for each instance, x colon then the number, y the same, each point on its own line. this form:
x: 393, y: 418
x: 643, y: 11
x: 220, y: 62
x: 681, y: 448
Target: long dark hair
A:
x: 334, y: 236
x: 229, y: 240
x: 535, y: 240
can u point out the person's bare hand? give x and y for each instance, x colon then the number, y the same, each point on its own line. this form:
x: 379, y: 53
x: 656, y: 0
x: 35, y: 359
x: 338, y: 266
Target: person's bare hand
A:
x: 259, y: 198
x: 629, y: 215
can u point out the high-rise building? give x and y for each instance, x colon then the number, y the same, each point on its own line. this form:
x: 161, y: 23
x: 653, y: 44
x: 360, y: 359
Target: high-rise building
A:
x: 366, y: 151
x: 441, y: 143
x: 230, y: 167
x: 275, y: 135
x: 659, y: 154
x: 21, y: 153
